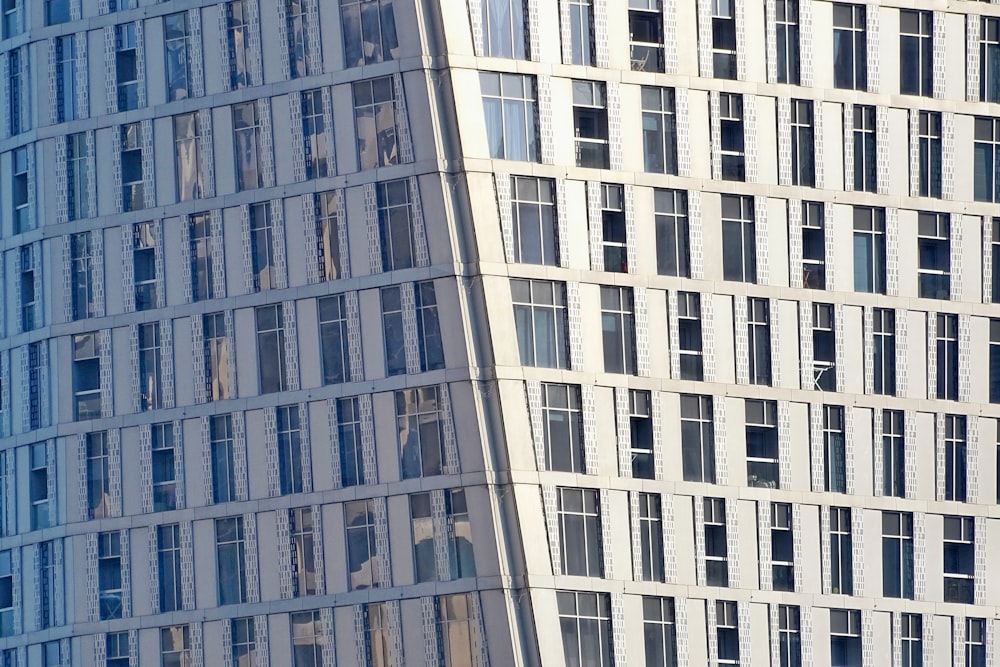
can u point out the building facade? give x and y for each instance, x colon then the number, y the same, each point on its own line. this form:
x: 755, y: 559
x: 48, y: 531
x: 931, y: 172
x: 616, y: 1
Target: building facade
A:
x: 499, y: 332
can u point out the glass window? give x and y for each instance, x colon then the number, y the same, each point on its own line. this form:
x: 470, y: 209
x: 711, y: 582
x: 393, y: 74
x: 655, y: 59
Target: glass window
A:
x: 164, y: 464
x: 850, y: 47
x: 994, y: 361
x: 29, y: 296
x: 645, y: 29
x: 534, y: 220
x: 78, y: 176
x: 884, y: 351
x: 511, y: 112
x: 897, y: 555
x: 56, y: 11
x: 218, y: 357
x: 929, y: 149
x: 144, y: 265
x: 762, y: 443
x: 697, y: 438
x: 461, y: 556
x: 333, y: 335
x: 420, y: 428
x: 316, y: 150
x: 330, y: 230
x: 641, y: 434
x: 505, y: 29
x: 585, y: 625
x: 724, y: 39
x: 237, y: 41
x: 362, y: 552
x: 98, y: 476
x: 732, y: 149
x: 659, y: 630
x: 727, y: 632
x: 150, y: 367
x: 392, y: 330
x: 376, y: 123
x: 581, y: 32
x: 246, y: 136
x: 739, y: 246
x: 17, y: 71
x: 689, y: 336
x: 296, y: 18
x: 803, y: 150
x: 223, y: 458
x: 934, y: 255
x: 834, y: 450
x: 190, y: 184
x: 231, y: 560
x: 369, y: 32
x: 202, y: 248
x: 659, y: 128
x: 673, y: 252
x: 947, y: 356
x: 955, y: 458
x: 716, y: 549
x: 422, y: 527
x: 590, y: 124
x: 455, y: 625
x: 540, y: 318
x: 959, y: 559
x: 19, y: 190
x: 787, y: 36
x: 824, y: 338
x: 869, y: 249
x: 429, y: 339
x: 168, y: 558
x: 290, y: 460
x: 986, y: 157
x: 175, y: 646
x: 6, y: 595
x: 300, y: 525
x: 352, y: 468
x: 975, y: 642
x: 650, y: 530
x: 759, y: 340
x: 562, y: 424
x: 845, y: 637
x: 176, y: 39
x: 395, y: 225
x: 916, y: 53
x: 307, y: 638
x: 789, y: 636
x: 912, y: 639
x: 131, y: 166
x: 244, y: 640
x: 865, y: 149
x: 841, y: 559
x: 613, y: 235
x: 618, y: 329
x: 109, y: 575
x: 86, y: 376
x: 271, y: 343
x: 989, y: 59
x: 127, y: 66
x: 813, y: 245
x: 893, y: 454
x: 117, y: 649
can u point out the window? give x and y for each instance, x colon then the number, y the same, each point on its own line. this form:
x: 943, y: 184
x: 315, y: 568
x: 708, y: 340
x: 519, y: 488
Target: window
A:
x: 329, y: 227
x: 934, y: 252
x: 316, y: 150
x: 295, y: 12
x: 168, y: 558
x: 540, y: 320
x: 947, y: 356
x: 850, y: 47
x: 395, y: 225
x: 716, y: 550
x: 659, y: 629
x: 865, y: 149
x: 352, y: 468
x: 11, y: 18
x: 834, y: 449
x: 223, y: 458
x: 659, y: 128
x: 645, y: 28
x: 724, y: 39
x: 732, y: 150
x: 585, y: 624
x: 369, y: 32
x: 30, y: 305
x: 17, y: 68
x: 813, y: 245
x: 762, y: 443
x: 392, y: 330
x: 127, y: 66
x: 202, y: 248
x: 759, y: 340
x: 461, y: 557
x: 46, y: 586
x: 727, y: 632
x: 78, y: 178
x: 897, y: 555
x: 869, y: 249
x: 955, y: 458
x: 590, y: 124
x: 504, y: 29
x: 581, y: 31
x: 959, y: 559
x: 893, y: 454
x: 37, y: 373
x: 975, y: 642
x: 164, y: 467
x: 271, y: 348
x: 175, y: 646
x: 19, y: 191
x: 455, y: 624
x: 739, y: 246
x: 845, y: 638
x: 580, y: 532
x: 86, y: 376
x: 618, y: 329
x: 651, y: 537
x: 613, y: 235
x: 231, y: 560
x: 841, y: 555
x: 56, y: 11
x: 244, y: 640
x: 989, y: 59
x: 422, y: 527
x: 994, y: 361
x: 824, y: 347
x: 109, y: 575
x: 333, y: 337
x: 534, y: 220
x: 307, y: 638
x: 509, y: 105
x: 98, y: 475
x: 144, y: 265
x: 6, y: 595
x: 689, y: 337
x: 789, y: 636
x: 362, y: 553
x: 262, y: 247
x: 420, y: 425
x: 929, y: 150
x: 916, y: 53
x: 787, y: 35
x: 52, y: 654
x: 116, y: 649
x: 673, y: 256
x: 376, y: 122
x: 238, y: 39
x: 641, y: 434
x: 190, y: 184
x: 428, y: 327
x: 131, y: 166
x: 697, y: 438
x: 176, y: 37
x: 150, y: 367
x: 289, y: 449
x: 246, y: 136
x: 562, y: 423
x: 912, y: 640
x: 987, y: 159
x: 300, y: 524
x: 217, y: 357
x: 884, y: 351
x: 38, y: 487
x: 803, y: 162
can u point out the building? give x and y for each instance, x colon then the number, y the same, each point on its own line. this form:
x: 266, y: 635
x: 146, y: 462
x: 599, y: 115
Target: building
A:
x: 577, y: 332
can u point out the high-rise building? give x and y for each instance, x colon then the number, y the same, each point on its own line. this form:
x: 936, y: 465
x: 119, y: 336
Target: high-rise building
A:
x: 475, y: 333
